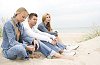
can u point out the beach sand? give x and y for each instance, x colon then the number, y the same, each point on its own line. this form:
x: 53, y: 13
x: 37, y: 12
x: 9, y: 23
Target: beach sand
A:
x: 71, y: 37
x: 88, y: 53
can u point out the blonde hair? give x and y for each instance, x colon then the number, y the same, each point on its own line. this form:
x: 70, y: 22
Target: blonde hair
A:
x: 44, y: 17
x: 48, y: 24
x: 19, y: 10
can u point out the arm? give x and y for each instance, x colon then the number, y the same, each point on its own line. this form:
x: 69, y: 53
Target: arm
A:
x: 38, y: 36
x: 33, y: 34
x: 45, y: 34
x: 42, y: 28
x: 10, y: 35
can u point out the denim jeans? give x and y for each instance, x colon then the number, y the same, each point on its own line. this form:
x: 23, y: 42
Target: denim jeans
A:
x: 56, y: 47
x: 45, y: 49
x: 17, y: 51
x: 61, y: 45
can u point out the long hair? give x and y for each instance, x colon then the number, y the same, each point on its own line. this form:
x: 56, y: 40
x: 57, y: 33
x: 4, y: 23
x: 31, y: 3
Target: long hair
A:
x: 48, y: 25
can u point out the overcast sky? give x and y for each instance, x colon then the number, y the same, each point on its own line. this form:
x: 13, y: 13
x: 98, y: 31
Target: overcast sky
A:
x: 64, y: 13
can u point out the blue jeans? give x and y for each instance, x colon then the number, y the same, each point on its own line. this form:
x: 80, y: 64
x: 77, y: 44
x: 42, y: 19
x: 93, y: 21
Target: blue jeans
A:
x: 61, y: 46
x: 58, y: 47
x: 45, y: 49
x: 20, y: 52
x: 17, y: 51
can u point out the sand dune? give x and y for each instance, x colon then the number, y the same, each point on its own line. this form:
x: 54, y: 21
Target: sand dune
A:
x: 87, y: 54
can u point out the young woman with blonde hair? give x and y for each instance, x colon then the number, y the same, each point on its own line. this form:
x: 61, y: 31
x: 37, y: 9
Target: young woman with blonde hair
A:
x: 45, y: 26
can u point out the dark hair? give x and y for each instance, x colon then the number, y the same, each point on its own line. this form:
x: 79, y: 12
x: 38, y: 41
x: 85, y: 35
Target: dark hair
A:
x: 32, y: 14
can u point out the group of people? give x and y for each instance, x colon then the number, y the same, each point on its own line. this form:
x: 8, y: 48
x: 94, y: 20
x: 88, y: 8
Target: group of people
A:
x: 21, y: 39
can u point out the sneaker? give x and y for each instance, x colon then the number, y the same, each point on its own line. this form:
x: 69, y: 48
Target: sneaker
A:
x: 72, y: 47
x: 72, y: 53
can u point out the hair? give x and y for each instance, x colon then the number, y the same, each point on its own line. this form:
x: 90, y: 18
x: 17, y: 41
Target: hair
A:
x: 32, y: 14
x: 19, y: 10
x: 48, y: 24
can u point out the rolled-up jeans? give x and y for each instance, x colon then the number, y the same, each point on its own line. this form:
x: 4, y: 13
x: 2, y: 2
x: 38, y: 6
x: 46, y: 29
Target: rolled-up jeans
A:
x: 45, y: 49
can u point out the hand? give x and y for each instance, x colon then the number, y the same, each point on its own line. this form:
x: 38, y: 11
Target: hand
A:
x: 36, y: 44
x: 53, y: 42
x: 56, y: 39
x: 30, y: 48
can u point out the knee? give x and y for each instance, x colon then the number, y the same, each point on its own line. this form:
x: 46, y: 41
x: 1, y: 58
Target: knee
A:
x: 20, y: 48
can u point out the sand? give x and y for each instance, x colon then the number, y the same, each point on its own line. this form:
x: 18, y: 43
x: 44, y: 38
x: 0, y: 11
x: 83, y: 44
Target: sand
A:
x: 87, y: 54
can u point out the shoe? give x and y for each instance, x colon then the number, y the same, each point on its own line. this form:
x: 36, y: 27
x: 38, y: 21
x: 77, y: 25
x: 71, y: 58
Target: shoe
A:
x: 72, y: 53
x: 26, y: 58
x: 71, y: 47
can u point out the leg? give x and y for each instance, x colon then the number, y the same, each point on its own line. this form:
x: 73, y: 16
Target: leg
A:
x: 53, y: 47
x: 48, y: 52
x: 17, y: 51
x: 44, y: 49
x: 61, y: 46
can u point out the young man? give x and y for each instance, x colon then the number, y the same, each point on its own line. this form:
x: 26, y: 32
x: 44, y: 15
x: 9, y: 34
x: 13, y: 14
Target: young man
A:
x: 47, y: 39
x: 47, y: 51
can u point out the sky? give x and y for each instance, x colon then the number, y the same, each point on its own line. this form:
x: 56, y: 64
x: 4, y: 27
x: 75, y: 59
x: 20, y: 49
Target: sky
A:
x: 64, y: 13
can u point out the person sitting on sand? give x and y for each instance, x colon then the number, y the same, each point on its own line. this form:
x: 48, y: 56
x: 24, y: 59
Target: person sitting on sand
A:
x: 45, y: 26
x: 16, y: 43
x: 47, y: 39
x: 12, y: 44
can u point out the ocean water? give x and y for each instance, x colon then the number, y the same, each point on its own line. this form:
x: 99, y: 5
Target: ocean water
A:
x: 74, y: 30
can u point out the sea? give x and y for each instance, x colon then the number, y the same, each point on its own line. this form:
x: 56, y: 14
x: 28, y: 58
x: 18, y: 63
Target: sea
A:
x: 75, y: 30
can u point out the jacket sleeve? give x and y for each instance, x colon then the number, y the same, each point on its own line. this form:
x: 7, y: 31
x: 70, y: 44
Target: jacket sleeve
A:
x: 43, y: 29
x: 45, y: 34
x: 10, y: 35
x: 31, y: 34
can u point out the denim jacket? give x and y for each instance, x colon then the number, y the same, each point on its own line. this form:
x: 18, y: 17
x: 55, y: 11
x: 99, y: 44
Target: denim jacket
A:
x: 43, y: 28
x: 9, y: 36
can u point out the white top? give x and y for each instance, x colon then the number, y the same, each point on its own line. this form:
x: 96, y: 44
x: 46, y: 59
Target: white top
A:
x: 34, y: 32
